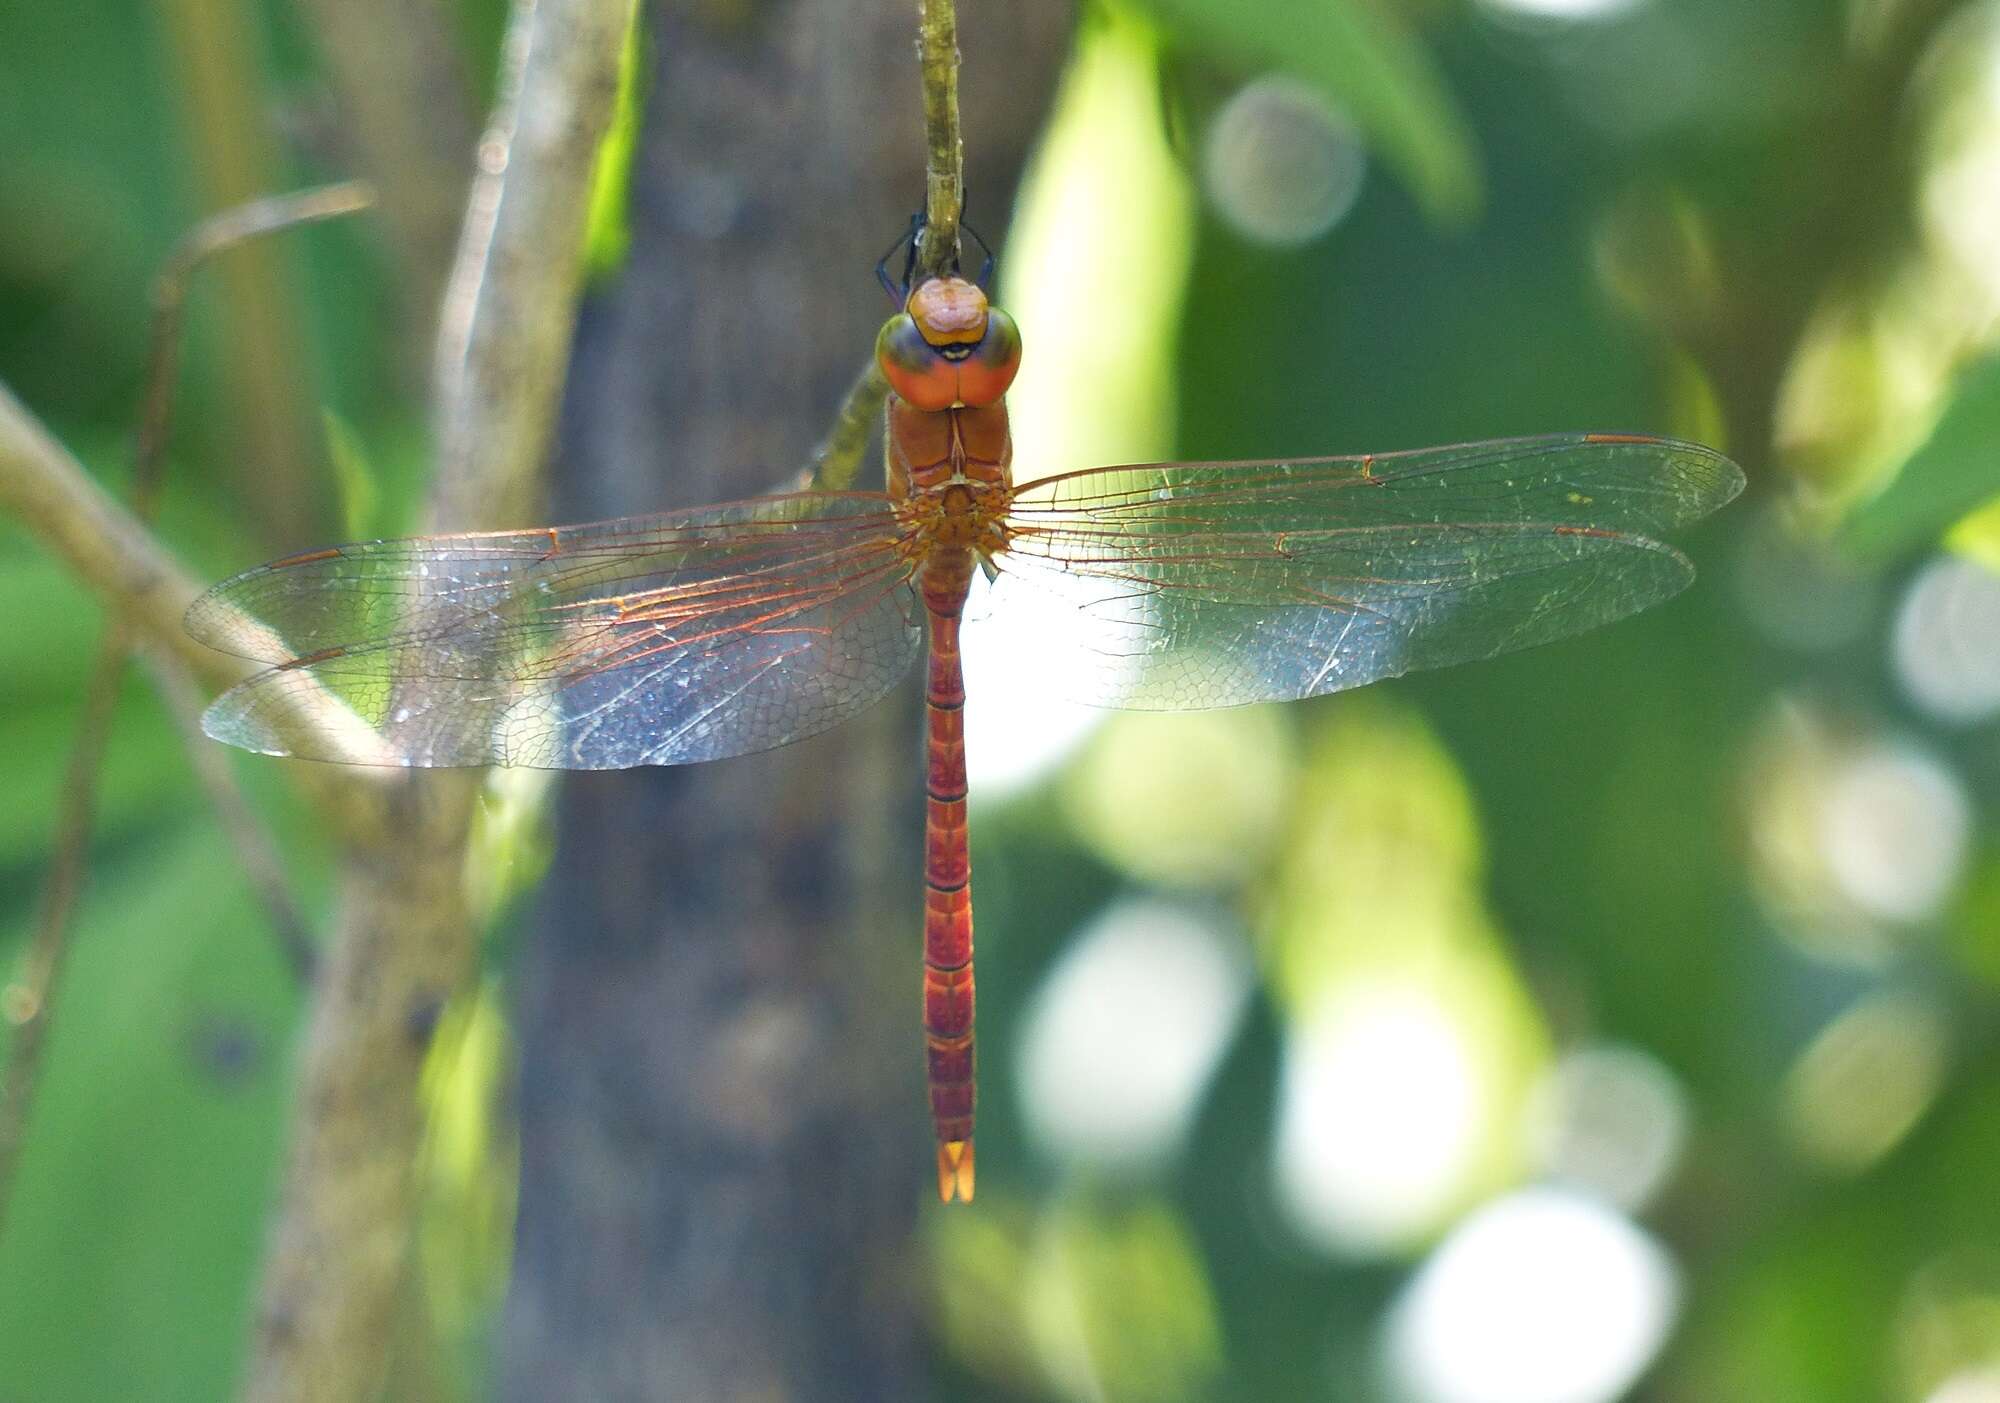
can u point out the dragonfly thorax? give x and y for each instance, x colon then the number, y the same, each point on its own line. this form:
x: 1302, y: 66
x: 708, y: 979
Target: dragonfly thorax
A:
x: 949, y: 347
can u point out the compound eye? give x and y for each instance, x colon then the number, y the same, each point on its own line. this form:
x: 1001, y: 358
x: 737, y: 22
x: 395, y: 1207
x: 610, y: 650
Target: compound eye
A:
x: 983, y: 377
x: 914, y: 368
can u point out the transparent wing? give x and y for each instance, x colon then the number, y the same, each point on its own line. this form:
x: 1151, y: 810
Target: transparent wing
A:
x: 1184, y: 585
x: 647, y: 641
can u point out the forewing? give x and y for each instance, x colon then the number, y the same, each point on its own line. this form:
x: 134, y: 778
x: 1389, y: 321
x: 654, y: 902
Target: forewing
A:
x: 650, y: 640
x: 1214, y: 584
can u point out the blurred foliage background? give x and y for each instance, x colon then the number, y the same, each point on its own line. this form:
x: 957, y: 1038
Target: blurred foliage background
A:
x: 1616, y: 1020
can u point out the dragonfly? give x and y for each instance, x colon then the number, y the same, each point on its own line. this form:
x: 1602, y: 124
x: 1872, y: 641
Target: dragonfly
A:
x: 697, y: 635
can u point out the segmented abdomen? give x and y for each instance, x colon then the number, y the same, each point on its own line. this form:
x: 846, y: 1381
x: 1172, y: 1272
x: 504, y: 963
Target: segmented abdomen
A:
x: 948, y: 991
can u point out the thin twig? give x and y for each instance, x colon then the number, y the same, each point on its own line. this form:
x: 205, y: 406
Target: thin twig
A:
x: 113, y: 554
x: 104, y: 545
x: 944, y: 149
x: 404, y: 939
x: 212, y: 236
x: 838, y: 457
x: 29, y: 1002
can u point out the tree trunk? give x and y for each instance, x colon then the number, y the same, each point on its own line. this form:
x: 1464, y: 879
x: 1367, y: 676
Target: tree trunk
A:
x: 724, y: 1143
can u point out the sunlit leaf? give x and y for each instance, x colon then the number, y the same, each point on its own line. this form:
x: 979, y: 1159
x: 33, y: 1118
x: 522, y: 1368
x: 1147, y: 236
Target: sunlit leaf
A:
x: 1409, y: 1039
x: 607, y: 234
x: 1977, y: 536
x: 467, y: 1230
x: 353, y: 477
x: 1956, y: 469
x: 1122, y: 1307
x: 511, y: 844
x: 1383, y: 854
x: 1185, y: 800
x: 982, y: 1264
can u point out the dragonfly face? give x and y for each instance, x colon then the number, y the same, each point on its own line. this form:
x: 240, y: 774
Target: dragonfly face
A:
x: 949, y: 347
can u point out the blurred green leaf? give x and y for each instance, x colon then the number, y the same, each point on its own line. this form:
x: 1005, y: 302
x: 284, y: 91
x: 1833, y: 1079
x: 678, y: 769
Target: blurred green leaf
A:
x: 143, y: 780
x: 93, y: 194
x: 1185, y: 800
x: 982, y: 1262
x: 1832, y: 1303
x: 53, y: 626
x: 159, y: 1121
x: 1122, y: 1307
x: 353, y: 478
x: 1378, y: 799
x: 1956, y: 469
x: 1974, y: 938
x: 1372, y: 67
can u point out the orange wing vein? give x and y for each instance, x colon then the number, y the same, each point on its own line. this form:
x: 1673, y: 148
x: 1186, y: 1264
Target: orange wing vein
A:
x: 1184, y: 585
x: 644, y: 641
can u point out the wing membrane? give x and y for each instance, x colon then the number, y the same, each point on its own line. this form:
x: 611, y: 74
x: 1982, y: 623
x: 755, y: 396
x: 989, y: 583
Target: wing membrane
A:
x: 1216, y: 584
x: 650, y: 640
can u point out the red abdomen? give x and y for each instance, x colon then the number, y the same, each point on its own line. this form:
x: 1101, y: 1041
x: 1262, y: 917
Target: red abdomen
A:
x: 948, y: 992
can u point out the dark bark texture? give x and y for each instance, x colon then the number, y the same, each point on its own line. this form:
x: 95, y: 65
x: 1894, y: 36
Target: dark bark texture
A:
x: 724, y: 1142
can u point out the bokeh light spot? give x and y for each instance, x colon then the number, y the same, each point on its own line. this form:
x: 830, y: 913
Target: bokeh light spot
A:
x: 1894, y: 825
x: 1017, y: 728
x: 1542, y: 1297
x: 1279, y: 165
x: 1865, y: 1081
x: 1947, y: 1329
x: 1121, y: 1040
x: 1195, y: 799
x: 1959, y: 197
x: 1947, y: 641
x: 1379, y: 1117
x: 1610, y: 1120
x: 1563, y: 9
x: 1973, y: 1386
x: 1119, y: 1306
x: 1858, y: 837
x: 1799, y: 590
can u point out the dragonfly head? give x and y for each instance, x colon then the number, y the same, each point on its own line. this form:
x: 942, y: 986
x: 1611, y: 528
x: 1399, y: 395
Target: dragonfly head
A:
x: 949, y: 346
